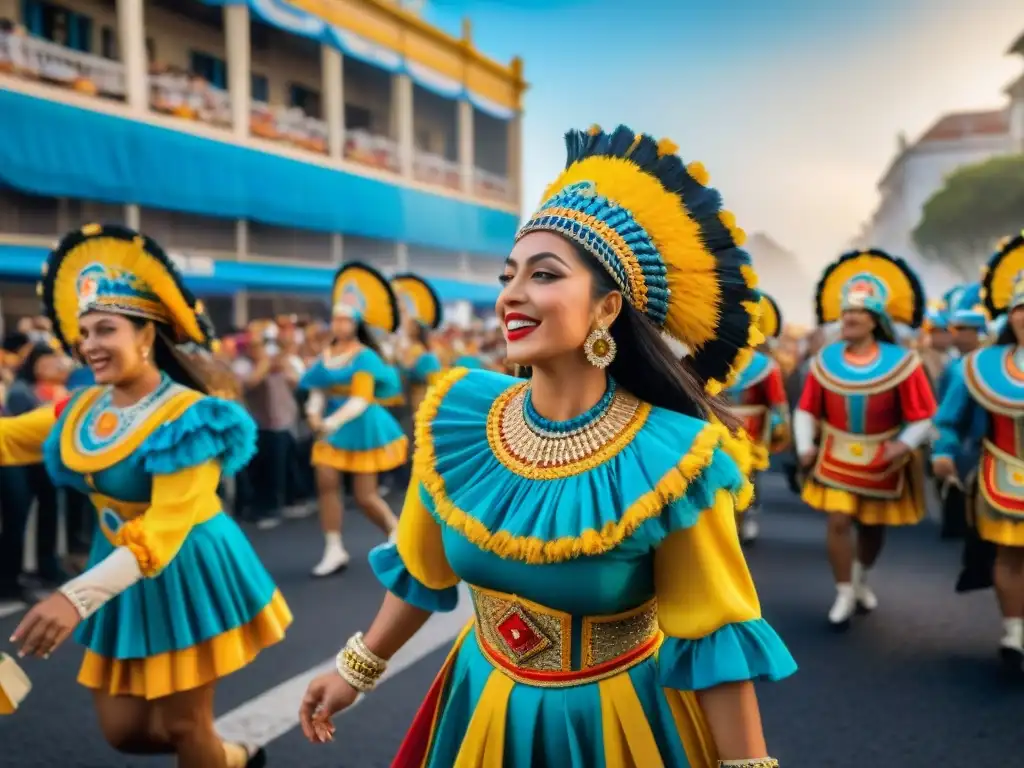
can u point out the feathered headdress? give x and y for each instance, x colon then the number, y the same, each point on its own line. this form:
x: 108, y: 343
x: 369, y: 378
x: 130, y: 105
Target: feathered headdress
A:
x: 652, y: 222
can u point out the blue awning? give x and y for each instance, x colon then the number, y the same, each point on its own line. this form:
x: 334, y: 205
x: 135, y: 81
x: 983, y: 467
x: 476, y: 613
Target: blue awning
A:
x: 294, y: 20
x: 57, y: 150
x: 24, y: 263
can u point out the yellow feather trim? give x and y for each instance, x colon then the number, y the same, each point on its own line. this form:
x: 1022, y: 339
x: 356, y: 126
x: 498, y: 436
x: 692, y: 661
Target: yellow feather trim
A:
x: 699, y: 173
x: 749, y: 276
x: 728, y: 220
x: 594, y: 129
x: 529, y: 549
x: 691, y: 268
x: 667, y: 147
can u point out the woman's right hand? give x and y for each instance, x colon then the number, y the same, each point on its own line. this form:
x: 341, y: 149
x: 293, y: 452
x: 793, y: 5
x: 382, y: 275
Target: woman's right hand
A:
x: 807, y: 458
x: 327, y: 695
x: 943, y: 468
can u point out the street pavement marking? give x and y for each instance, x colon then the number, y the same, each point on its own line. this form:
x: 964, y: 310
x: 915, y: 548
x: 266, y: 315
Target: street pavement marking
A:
x: 276, y: 711
x: 9, y: 609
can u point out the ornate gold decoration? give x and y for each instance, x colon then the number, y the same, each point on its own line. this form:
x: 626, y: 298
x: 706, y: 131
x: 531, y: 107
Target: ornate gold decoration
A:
x: 600, y: 348
x: 532, y: 453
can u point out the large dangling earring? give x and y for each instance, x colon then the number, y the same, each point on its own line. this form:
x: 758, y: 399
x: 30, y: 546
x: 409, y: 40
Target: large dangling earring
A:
x: 600, y: 347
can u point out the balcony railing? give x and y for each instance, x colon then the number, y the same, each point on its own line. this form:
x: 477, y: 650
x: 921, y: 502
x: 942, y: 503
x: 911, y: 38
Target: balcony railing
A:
x: 434, y: 169
x: 491, y: 185
x: 39, y: 59
x: 190, y: 97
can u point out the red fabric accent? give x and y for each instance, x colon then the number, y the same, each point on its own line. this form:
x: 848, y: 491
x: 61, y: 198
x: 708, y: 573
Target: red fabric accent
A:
x: 576, y: 675
x: 811, y: 399
x: 835, y: 409
x: 774, y: 388
x: 917, y: 402
x: 58, y: 409
x: 415, y: 748
x: 1004, y: 433
x: 882, y: 412
x: 879, y: 475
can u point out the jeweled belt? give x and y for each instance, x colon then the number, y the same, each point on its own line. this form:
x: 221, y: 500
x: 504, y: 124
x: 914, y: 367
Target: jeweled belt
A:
x: 533, y: 644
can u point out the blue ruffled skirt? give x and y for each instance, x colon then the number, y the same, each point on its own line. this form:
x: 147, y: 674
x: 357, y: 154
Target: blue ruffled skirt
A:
x: 207, y: 614
x: 370, y: 443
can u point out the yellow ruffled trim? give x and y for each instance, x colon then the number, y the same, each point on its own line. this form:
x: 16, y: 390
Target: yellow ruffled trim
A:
x: 157, y: 676
x: 382, y: 459
x: 530, y: 549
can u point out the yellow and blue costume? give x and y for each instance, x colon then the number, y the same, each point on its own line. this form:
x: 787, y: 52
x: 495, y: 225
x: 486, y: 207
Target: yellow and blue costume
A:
x: 206, y: 606
x: 601, y: 552
x: 982, y: 407
x: 419, y: 302
x: 373, y: 441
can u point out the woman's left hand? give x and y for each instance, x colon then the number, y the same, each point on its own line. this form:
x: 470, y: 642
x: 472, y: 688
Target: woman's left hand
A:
x: 893, y: 450
x: 46, y: 626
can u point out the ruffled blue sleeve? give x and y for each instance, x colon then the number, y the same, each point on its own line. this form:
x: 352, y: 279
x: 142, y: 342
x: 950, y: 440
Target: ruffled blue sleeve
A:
x: 426, y: 365
x: 210, y: 430
x: 707, y: 604
x: 391, y: 572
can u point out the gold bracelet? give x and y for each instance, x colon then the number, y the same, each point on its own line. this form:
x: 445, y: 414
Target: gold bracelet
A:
x: 756, y: 762
x: 358, y: 665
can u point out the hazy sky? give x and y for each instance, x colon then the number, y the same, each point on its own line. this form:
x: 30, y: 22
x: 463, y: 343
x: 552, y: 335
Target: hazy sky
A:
x: 793, y: 105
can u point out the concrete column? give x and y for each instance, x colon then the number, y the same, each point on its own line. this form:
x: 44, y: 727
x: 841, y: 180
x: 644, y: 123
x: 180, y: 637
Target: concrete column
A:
x: 467, y: 145
x: 240, y: 301
x: 133, y: 216
x: 401, y: 257
x: 515, y: 159
x: 131, y: 29
x: 332, y: 65
x: 1017, y: 120
x: 236, y: 29
x: 337, y: 249
x: 402, y: 120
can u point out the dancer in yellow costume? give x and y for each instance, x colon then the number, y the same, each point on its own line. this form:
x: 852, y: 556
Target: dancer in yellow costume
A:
x: 979, y: 423
x: 866, y: 408
x: 349, y: 387
x: 590, y: 510
x: 174, y: 597
x: 421, y: 313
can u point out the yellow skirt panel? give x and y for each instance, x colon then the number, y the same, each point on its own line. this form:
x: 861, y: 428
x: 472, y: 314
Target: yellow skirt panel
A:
x: 176, y: 671
x: 999, y: 530
x: 909, y: 509
x: 374, y: 461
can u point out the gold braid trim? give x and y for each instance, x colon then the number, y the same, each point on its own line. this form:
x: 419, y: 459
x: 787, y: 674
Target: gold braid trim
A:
x: 530, y: 549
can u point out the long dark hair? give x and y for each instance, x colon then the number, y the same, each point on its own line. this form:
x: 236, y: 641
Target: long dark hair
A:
x: 1006, y: 336
x: 645, y: 364
x: 364, y: 335
x: 185, y: 369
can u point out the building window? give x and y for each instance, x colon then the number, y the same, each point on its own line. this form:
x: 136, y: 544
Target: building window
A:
x: 357, y: 118
x: 305, y: 99
x: 57, y: 24
x: 108, y: 43
x: 260, y: 88
x: 210, y: 68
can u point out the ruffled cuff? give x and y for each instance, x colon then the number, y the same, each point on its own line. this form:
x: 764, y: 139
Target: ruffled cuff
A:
x: 387, y: 565
x: 749, y: 650
x: 211, y: 429
x: 132, y: 535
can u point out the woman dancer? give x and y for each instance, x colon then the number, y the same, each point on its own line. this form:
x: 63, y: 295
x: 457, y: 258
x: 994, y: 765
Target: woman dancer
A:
x: 174, y: 597
x: 356, y: 434
x: 591, y: 510
x: 982, y: 408
x: 870, y: 401
x: 421, y: 311
x: 759, y: 398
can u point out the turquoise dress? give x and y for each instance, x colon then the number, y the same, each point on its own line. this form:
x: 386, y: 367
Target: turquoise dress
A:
x: 426, y: 366
x: 206, y: 605
x: 608, y: 584
x: 373, y: 441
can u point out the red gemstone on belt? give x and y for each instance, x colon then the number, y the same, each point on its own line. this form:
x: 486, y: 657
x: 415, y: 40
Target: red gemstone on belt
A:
x: 518, y: 635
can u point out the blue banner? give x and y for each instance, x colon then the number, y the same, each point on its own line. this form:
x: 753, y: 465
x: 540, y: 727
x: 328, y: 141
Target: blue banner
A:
x: 57, y: 150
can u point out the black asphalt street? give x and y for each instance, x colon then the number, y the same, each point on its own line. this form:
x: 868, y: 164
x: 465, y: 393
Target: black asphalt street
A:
x: 915, y: 685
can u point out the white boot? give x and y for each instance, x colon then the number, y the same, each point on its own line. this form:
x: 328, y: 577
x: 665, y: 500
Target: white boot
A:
x: 1011, y: 647
x: 334, y: 558
x: 866, y: 599
x: 844, y: 606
